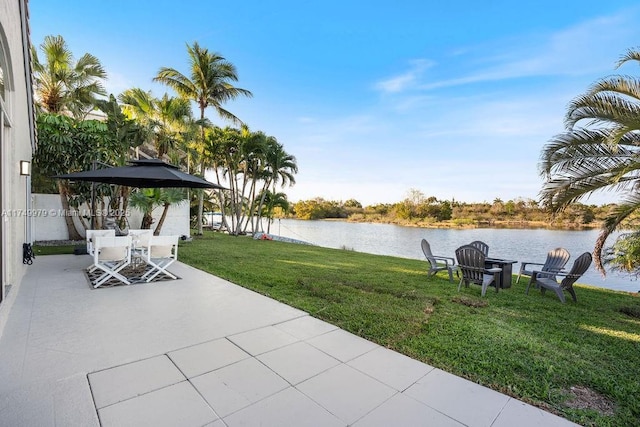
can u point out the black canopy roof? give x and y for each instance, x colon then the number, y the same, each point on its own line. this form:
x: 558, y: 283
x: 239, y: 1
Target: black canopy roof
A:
x: 146, y: 173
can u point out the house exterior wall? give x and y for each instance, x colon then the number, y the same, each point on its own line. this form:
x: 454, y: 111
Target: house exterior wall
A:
x: 17, y: 143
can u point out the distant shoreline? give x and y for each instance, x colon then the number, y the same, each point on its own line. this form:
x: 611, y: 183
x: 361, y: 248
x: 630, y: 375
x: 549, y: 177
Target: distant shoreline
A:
x: 532, y: 225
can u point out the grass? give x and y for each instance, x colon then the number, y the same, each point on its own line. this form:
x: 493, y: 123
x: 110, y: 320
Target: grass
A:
x: 531, y: 347
x: 54, y: 250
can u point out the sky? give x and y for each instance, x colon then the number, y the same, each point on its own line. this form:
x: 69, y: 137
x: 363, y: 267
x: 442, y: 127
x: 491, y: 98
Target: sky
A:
x: 375, y: 98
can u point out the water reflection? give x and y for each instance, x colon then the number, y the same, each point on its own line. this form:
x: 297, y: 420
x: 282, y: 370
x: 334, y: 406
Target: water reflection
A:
x: 518, y: 244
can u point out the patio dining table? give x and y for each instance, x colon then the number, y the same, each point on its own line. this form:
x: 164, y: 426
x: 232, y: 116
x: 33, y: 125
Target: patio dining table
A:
x: 504, y: 278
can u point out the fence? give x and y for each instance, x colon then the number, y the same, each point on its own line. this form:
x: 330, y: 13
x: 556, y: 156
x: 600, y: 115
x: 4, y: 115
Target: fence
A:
x: 48, y: 218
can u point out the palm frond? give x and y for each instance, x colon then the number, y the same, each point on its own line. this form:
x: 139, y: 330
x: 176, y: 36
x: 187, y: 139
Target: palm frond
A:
x: 605, y: 109
x: 578, y: 163
x: 627, y: 207
x: 176, y: 81
x: 629, y: 55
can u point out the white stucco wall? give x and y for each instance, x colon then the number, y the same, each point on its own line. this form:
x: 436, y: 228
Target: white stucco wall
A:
x: 16, y: 141
x: 49, y: 224
x: 16, y: 144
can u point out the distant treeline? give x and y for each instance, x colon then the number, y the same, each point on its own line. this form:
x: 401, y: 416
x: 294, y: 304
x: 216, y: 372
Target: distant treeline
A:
x: 429, y: 211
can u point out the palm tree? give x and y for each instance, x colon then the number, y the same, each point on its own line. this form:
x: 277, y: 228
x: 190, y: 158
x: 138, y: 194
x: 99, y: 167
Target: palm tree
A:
x: 174, y: 115
x: 63, y: 85
x: 227, y: 151
x: 599, y: 151
x: 165, y: 118
x: 146, y: 199
x: 258, y: 172
x: 219, y: 145
x: 252, y: 167
x: 209, y: 85
x: 280, y: 167
x: 272, y: 201
x: 139, y: 105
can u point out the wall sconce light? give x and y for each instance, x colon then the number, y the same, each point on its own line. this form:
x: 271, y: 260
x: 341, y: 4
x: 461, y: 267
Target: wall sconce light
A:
x: 25, y: 168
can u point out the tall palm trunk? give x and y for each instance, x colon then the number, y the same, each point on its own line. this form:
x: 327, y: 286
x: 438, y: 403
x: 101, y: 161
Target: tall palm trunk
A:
x: 255, y: 215
x: 202, y: 169
x: 238, y: 204
x: 68, y: 219
x: 221, y: 198
x: 125, y: 191
x: 243, y: 219
x: 234, y: 202
x: 165, y: 210
x: 147, y: 220
x: 261, y: 202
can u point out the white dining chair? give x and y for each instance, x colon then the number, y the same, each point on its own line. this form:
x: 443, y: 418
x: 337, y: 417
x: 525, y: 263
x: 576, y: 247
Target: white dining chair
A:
x: 110, y: 255
x: 163, y: 251
x: 90, y: 236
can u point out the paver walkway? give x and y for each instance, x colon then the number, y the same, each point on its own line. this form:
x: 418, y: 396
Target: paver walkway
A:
x: 202, y: 351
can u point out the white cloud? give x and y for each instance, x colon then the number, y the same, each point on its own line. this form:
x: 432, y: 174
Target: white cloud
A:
x: 583, y: 49
x: 405, y: 80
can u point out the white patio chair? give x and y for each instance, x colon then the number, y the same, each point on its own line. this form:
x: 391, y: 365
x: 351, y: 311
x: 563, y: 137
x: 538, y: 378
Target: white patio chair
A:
x: 111, y: 254
x: 90, y: 236
x: 163, y: 251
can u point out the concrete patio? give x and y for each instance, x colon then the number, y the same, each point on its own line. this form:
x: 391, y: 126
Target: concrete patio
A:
x: 201, y: 351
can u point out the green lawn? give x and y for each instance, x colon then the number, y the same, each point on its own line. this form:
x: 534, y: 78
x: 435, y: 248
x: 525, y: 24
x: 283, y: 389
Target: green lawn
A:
x: 531, y: 347
x: 54, y: 250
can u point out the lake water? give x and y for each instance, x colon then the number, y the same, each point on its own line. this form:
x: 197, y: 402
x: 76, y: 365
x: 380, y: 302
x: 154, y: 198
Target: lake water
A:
x: 514, y: 244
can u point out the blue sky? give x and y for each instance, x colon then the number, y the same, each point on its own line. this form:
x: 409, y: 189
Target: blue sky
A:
x: 374, y: 98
